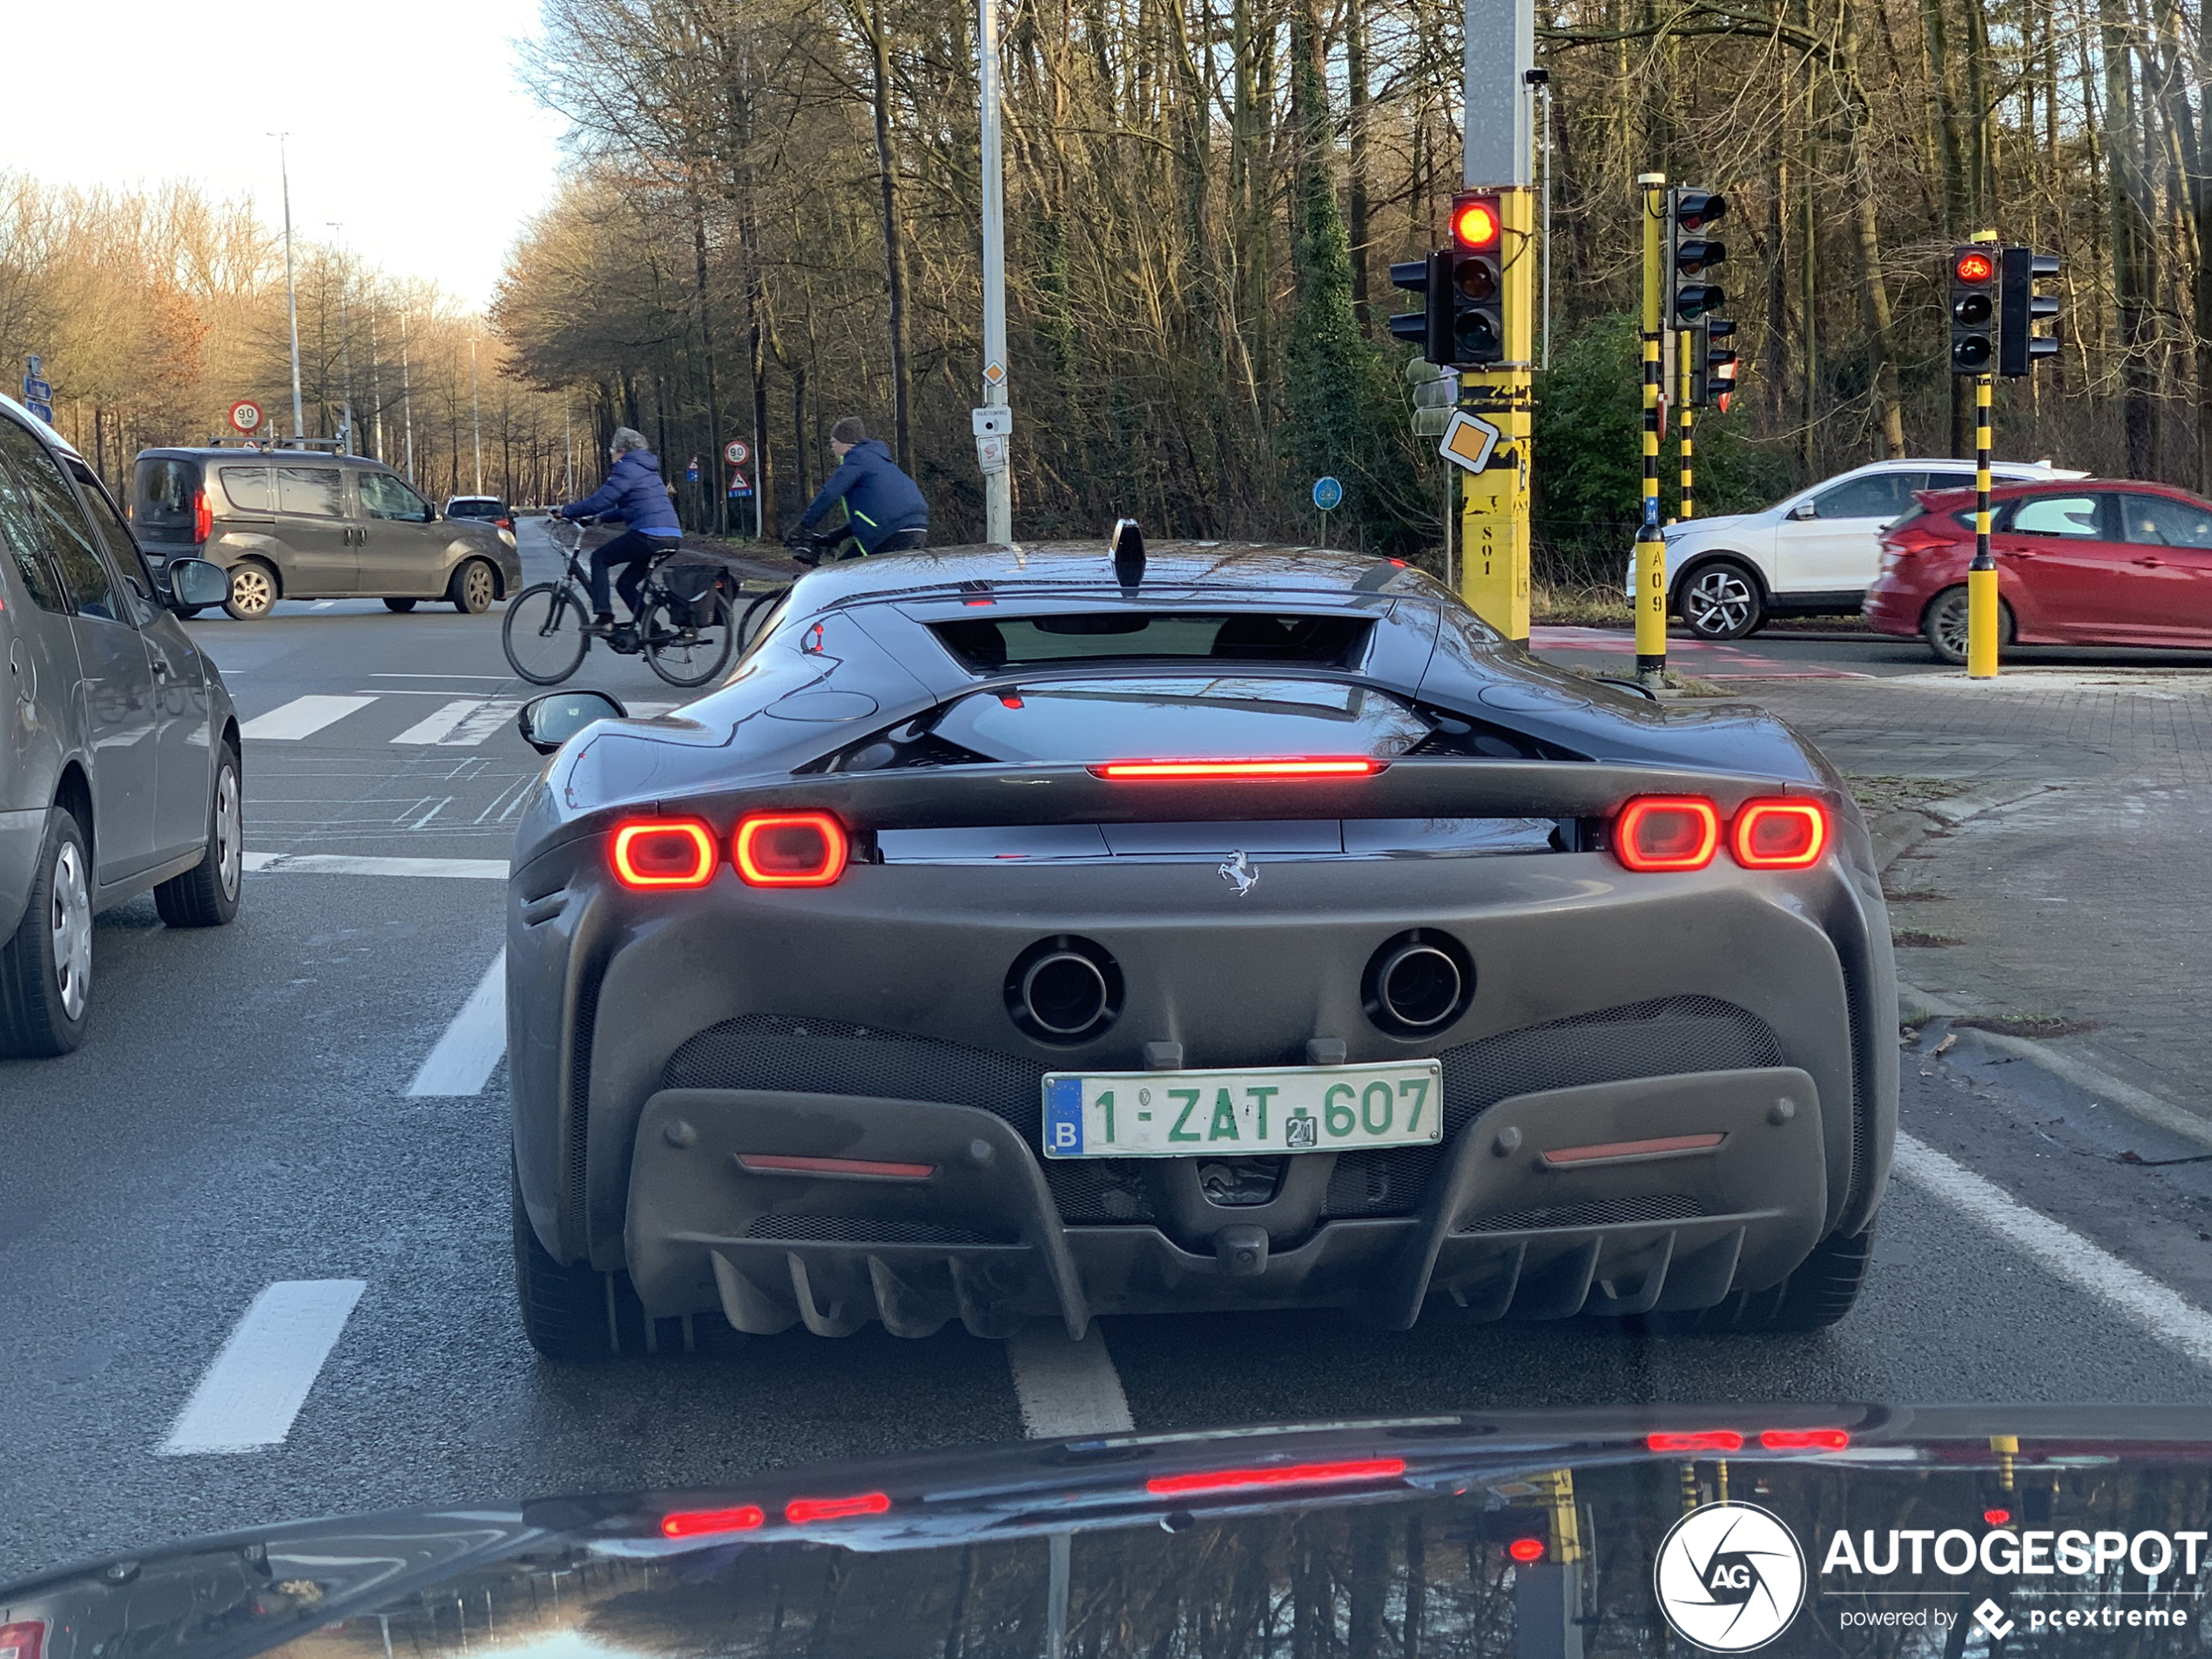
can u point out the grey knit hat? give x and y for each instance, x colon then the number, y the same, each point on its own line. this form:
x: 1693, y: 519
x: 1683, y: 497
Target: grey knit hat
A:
x: 627, y: 438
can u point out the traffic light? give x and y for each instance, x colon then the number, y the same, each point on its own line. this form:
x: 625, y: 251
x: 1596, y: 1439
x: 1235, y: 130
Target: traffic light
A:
x: 2020, y: 308
x: 1712, y: 365
x: 1973, y: 309
x: 1691, y: 256
x: 1477, y: 291
x: 1431, y: 278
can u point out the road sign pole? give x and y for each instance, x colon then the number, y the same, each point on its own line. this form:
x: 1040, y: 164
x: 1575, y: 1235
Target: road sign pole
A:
x: 1651, y: 547
x: 998, y: 479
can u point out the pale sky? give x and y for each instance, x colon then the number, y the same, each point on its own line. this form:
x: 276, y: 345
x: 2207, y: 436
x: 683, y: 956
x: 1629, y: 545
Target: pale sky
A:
x: 408, y: 121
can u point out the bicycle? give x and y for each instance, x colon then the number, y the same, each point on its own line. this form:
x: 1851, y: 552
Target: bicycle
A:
x: 684, y: 626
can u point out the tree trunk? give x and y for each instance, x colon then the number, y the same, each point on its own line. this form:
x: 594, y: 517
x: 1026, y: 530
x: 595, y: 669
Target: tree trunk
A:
x: 2200, y: 205
x: 2127, y: 198
x: 1873, y: 289
x: 1355, y: 57
x: 894, y: 249
x: 706, y: 358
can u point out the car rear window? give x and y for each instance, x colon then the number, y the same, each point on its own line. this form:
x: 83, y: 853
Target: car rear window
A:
x: 247, y: 488
x: 475, y: 509
x: 987, y: 643
x: 161, y: 495
x: 1180, y: 716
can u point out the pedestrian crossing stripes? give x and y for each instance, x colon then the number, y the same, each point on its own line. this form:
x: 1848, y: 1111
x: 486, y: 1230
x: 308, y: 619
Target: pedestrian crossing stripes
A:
x: 459, y: 722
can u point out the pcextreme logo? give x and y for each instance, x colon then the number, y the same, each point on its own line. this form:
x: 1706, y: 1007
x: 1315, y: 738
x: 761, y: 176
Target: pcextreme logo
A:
x: 1729, y: 1577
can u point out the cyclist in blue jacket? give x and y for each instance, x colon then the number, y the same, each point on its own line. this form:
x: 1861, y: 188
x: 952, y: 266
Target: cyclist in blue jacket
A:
x: 883, y: 507
x: 634, y: 494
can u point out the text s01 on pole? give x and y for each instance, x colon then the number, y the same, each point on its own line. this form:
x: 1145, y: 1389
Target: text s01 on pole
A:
x: 1651, y: 547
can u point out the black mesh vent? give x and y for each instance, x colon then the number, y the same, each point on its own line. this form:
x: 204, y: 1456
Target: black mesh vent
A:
x: 829, y: 1057
x: 1601, y: 1212
x: 868, y: 1230
x: 1663, y: 1038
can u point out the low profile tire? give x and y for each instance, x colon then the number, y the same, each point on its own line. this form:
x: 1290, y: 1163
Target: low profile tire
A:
x: 1943, y: 624
x: 188, y: 612
x: 1721, y: 599
x: 254, y: 591
x: 401, y: 606
x: 46, y: 968
x: 207, y: 894
x: 474, y: 587
x: 1823, y: 1288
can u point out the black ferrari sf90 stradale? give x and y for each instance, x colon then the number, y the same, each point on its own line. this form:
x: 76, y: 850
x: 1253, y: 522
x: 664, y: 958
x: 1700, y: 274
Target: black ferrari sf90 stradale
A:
x: 1033, y: 933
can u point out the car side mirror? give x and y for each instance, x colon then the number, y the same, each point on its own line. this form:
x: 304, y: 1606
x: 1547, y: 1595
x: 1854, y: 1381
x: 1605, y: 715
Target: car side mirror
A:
x: 1805, y: 510
x: 548, y: 722
x: 193, y: 582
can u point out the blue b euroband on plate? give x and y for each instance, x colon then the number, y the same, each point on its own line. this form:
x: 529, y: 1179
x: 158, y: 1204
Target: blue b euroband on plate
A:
x: 1267, y: 1108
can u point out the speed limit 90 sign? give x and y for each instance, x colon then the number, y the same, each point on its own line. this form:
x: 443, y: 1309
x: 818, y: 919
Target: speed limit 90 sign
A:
x: 245, y: 415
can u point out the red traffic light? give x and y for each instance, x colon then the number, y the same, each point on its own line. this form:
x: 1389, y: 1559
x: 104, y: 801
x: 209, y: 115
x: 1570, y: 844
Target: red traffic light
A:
x: 1475, y: 222
x: 1974, y: 267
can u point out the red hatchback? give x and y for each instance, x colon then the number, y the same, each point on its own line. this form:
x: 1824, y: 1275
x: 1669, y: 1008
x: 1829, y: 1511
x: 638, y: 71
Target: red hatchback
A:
x: 2080, y: 562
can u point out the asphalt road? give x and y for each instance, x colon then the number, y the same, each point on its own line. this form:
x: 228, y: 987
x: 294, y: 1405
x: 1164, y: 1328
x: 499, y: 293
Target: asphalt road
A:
x: 242, y: 1117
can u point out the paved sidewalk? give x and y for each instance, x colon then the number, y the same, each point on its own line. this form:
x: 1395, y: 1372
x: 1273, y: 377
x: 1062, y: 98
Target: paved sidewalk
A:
x: 2087, y: 900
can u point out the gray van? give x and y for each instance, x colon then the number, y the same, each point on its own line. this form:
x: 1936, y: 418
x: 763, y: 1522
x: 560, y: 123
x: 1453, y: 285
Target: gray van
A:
x: 118, y: 745
x: 298, y: 521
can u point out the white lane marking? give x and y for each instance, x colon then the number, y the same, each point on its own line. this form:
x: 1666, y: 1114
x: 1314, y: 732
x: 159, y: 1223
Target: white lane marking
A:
x: 342, y: 864
x: 302, y: 717
x: 463, y: 1061
x: 1066, y: 1387
x: 438, y: 727
x: 248, y: 1398
x: 432, y: 814
x: 2174, y: 1320
x: 495, y: 714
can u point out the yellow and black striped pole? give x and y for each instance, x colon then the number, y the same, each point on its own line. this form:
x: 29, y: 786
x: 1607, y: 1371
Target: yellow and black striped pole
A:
x: 1981, y: 575
x: 1685, y: 341
x: 1651, y: 548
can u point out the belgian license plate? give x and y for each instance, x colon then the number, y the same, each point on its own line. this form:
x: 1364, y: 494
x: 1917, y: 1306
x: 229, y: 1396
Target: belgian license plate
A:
x: 1280, y: 1108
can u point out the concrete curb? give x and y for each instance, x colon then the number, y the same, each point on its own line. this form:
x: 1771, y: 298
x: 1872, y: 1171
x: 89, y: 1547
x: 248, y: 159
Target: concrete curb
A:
x: 1895, y: 833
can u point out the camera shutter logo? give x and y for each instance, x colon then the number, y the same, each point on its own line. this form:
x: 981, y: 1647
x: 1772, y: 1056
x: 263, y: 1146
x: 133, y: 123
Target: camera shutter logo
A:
x: 1729, y: 1577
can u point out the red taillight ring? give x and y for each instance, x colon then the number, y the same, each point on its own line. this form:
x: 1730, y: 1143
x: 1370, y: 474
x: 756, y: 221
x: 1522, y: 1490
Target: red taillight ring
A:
x: 762, y: 864
x: 1795, y: 832
x: 664, y: 852
x: 1641, y: 817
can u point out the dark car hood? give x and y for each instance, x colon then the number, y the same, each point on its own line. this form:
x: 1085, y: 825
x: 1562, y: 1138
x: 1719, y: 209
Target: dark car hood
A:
x: 1536, y: 1532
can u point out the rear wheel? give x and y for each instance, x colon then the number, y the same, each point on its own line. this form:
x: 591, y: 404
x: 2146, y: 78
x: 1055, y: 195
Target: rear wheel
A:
x: 254, y: 591
x: 683, y: 652
x: 207, y: 895
x: 46, y: 968
x: 1943, y: 624
x: 474, y: 589
x: 575, y: 1311
x: 543, y: 633
x: 401, y: 606
x: 1823, y: 1288
x: 1721, y: 600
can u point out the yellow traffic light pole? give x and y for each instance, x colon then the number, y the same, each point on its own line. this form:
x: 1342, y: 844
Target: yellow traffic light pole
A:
x: 1493, y: 503
x: 1981, y: 575
x: 1651, y: 548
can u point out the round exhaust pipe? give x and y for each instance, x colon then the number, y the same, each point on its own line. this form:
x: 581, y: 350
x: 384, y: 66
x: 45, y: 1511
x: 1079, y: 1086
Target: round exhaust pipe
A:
x: 1418, y: 983
x: 1064, y: 989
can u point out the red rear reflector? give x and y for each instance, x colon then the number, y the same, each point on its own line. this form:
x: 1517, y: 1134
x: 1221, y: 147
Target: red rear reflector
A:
x: 799, y: 1511
x: 203, y: 517
x: 22, y: 1640
x: 851, y: 1169
x: 698, y: 1523
x: 790, y: 849
x: 1526, y: 1550
x: 1994, y: 1517
x: 1305, y: 767
x: 1779, y: 834
x: 1712, y: 1440
x: 1667, y: 832
x: 1632, y: 1149
x: 664, y: 852
x: 1805, y: 1439
x: 1289, y: 1474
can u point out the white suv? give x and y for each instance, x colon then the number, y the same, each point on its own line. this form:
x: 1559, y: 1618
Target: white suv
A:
x: 1813, y: 553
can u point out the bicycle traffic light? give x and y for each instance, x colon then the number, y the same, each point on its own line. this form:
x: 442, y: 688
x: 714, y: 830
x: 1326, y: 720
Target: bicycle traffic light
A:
x: 1712, y: 367
x: 1973, y: 309
x: 1477, y: 291
x: 1691, y: 256
x: 2020, y: 308
x: 1431, y: 278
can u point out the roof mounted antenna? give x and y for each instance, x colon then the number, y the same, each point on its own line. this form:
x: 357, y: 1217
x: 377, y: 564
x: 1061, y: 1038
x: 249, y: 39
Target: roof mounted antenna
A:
x: 1127, y: 546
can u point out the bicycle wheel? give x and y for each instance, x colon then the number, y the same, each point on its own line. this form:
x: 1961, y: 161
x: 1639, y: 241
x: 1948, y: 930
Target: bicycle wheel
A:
x: 682, y: 653
x: 756, y: 615
x: 543, y: 633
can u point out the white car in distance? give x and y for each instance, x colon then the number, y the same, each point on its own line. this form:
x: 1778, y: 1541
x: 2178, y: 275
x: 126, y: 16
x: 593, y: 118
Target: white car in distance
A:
x: 1812, y: 554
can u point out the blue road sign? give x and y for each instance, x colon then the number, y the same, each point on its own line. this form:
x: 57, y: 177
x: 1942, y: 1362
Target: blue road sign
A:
x: 44, y: 411
x: 1328, y: 495
x: 36, y: 390
x: 693, y: 473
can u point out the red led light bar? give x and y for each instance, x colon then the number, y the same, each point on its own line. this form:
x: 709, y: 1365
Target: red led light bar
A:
x: 1667, y: 832
x: 698, y: 1523
x: 1998, y: 1517
x: 664, y: 852
x: 799, y: 1511
x: 1288, y: 1474
x: 790, y: 849
x: 1286, y: 766
x: 1652, y: 1148
x: 849, y: 1169
x: 1779, y: 834
x: 1526, y: 1550
x: 1712, y: 1440
x: 1805, y: 1439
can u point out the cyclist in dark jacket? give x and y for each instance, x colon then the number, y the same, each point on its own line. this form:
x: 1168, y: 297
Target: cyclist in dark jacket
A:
x: 634, y: 494
x: 882, y: 505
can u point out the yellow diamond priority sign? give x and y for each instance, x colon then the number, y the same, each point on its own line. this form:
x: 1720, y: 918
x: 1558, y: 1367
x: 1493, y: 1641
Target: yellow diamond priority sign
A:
x: 1468, y: 442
